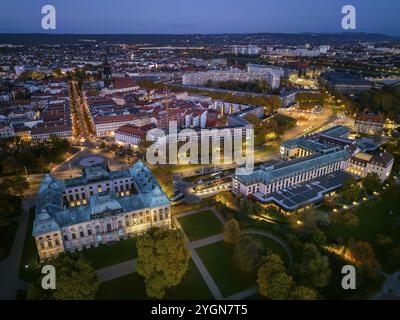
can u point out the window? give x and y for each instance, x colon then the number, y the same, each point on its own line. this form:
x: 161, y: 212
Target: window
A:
x: 89, y: 232
x: 81, y: 234
x: 57, y: 242
x: 73, y: 236
x: 65, y: 237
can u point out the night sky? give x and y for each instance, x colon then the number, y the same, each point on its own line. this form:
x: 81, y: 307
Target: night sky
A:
x: 199, y: 16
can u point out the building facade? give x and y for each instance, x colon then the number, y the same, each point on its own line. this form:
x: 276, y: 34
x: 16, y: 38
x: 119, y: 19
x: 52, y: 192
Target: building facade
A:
x: 99, y: 207
x: 363, y: 163
x: 130, y: 136
x: 270, y: 179
x: 370, y: 124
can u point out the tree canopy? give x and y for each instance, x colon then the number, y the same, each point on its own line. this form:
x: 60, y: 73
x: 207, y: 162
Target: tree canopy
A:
x: 163, y: 260
x: 371, y: 182
x: 232, y: 231
x: 248, y: 251
x: 351, y: 190
x: 75, y: 280
x: 312, y: 267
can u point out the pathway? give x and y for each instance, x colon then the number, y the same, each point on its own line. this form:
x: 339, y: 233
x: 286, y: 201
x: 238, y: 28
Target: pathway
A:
x: 196, y: 259
x: 9, y: 267
x: 391, y: 287
x: 116, y: 270
x: 192, y: 246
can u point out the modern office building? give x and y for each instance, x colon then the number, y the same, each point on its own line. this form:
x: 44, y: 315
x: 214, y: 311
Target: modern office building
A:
x: 266, y: 180
x: 345, y: 83
x: 98, y: 207
x: 298, y: 197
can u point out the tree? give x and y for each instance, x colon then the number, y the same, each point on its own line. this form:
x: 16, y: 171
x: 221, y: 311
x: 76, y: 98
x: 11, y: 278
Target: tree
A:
x: 280, y: 286
x: 392, y: 257
x: 75, y: 280
x: 303, y: 293
x: 274, y: 102
x: 272, y: 278
x: 163, y: 260
x: 232, y: 231
x: 248, y: 252
x: 383, y: 239
x: 8, y: 165
x: 351, y: 190
x: 227, y: 199
x: 312, y: 267
x: 17, y: 184
x: 348, y: 218
x: 6, y: 210
x: 271, y: 264
x: 318, y: 237
x: 363, y: 256
x: 371, y: 182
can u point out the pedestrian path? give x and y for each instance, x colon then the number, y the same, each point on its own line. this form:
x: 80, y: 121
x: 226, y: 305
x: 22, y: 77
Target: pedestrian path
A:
x: 116, y: 270
x: 192, y: 246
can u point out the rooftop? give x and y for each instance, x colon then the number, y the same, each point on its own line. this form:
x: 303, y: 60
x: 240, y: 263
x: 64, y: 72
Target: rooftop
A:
x: 306, y: 193
x: 292, y: 167
x: 51, y: 215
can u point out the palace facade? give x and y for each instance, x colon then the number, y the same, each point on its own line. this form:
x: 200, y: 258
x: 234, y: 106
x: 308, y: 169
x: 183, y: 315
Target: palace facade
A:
x: 98, y: 207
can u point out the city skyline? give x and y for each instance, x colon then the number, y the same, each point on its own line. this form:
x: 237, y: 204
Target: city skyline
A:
x: 187, y: 17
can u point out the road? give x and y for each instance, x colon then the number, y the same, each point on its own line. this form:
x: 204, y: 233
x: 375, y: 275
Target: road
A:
x: 9, y: 267
x: 79, y: 106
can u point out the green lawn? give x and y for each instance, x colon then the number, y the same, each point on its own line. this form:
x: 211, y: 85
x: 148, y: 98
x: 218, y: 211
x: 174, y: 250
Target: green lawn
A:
x: 374, y: 220
x: 124, y: 288
x: 131, y: 287
x: 201, y: 225
x: 219, y: 260
x: 7, y: 235
x: 274, y: 246
x: 109, y: 254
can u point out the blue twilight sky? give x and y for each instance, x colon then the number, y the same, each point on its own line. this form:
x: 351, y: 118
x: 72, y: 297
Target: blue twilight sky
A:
x: 199, y: 16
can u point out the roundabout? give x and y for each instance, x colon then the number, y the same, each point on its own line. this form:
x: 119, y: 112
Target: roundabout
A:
x: 91, y: 161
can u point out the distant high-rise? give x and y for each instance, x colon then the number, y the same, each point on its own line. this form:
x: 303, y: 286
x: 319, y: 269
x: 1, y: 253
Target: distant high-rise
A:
x: 107, y: 72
